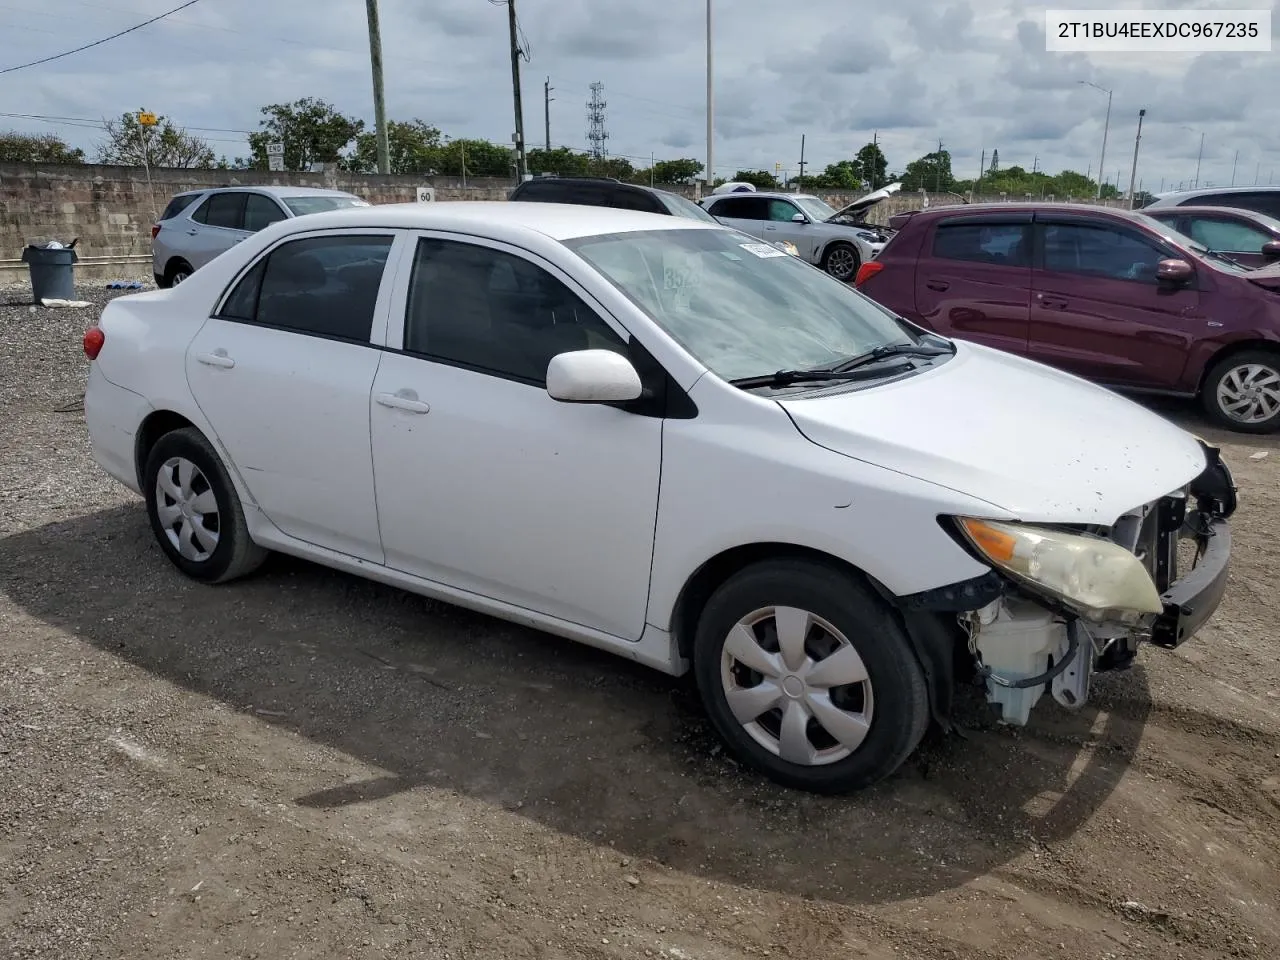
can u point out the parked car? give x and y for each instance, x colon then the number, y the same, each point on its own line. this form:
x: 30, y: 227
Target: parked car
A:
x: 1110, y: 295
x: 668, y: 440
x: 839, y: 241
x: 608, y: 192
x: 1251, y: 239
x: 1259, y: 199
x: 198, y: 225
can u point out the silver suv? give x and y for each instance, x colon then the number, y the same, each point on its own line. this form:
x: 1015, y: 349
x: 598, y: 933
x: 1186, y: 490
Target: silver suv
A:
x: 839, y: 241
x: 198, y: 225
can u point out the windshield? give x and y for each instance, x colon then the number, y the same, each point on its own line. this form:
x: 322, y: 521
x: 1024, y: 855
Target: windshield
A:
x: 304, y: 205
x: 684, y: 207
x: 1195, y: 246
x: 815, y: 208
x: 741, y: 307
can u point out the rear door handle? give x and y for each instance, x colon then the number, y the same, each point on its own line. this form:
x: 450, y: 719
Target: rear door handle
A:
x: 937, y: 285
x: 192, y: 233
x: 218, y: 358
x: 404, y: 400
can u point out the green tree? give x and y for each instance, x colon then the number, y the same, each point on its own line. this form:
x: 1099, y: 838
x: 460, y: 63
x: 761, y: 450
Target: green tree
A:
x: 871, y: 167
x: 684, y: 170
x: 619, y: 168
x: 482, y: 159
x: 312, y: 131
x: 412, y: 147
x: 561, y: 161
x: 932, y: 173
x: 843, y: 175
x: 37, y: 148
x: 760, y: 179
x: 166, y: 145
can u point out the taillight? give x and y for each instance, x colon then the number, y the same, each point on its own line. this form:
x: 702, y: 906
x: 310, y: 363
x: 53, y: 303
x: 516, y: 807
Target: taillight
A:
x: 94, y: 338
x: 155, y: 228
x: 867, y: 271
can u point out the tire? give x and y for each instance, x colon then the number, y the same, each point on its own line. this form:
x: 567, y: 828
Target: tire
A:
x: 161, y: 280
x: 207, y: 539
x: 1248, y: 374
x: 842, y: 261
x: 882, y: 718
x: 178, y: 270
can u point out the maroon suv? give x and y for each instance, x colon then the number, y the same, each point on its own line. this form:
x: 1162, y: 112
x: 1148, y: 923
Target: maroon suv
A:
x: 1113, y: 296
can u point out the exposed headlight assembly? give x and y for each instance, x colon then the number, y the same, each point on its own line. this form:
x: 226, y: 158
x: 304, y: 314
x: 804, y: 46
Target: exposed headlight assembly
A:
x: 1098, y: 579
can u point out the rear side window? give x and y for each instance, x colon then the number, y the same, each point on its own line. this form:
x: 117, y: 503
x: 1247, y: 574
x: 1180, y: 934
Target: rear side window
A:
x: 324, y: 286
x: 1001, y: 244
x: 178, y: 204
x: 221, y: 210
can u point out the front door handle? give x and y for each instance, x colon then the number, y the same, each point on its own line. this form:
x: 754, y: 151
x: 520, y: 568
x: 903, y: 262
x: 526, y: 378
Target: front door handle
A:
x: 937, y: 285
x: 1052, y: 303
x: 218, y: 358
x: 192, y: 233
x: 405, y: 400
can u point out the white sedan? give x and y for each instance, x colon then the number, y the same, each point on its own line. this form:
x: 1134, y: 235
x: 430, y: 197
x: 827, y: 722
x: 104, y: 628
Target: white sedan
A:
x: 669, y: 440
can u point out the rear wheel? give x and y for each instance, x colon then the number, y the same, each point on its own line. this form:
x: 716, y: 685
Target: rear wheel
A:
x: 194, y: 510
x: 177, y: 271
x: 1242, y: 391
x: 841, y: 260
x: 808, y: 678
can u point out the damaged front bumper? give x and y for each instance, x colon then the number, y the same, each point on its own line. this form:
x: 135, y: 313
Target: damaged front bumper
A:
x: 1025, y: 645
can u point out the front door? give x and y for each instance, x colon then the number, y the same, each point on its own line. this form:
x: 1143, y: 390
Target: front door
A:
x: 782, y: 225
x: 1098, y: 311
x: 283, y: 373
x: 484, y: 482
x: 973, y: 280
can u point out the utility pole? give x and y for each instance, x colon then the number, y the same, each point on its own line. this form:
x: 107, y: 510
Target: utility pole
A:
x: 1199, y: 157
x: 937, y: 186
x: 711, y: 108
x: 1106, y: 126
x: 521, y: 166
x: 977, y: 187
x: 800, y: 183
x: 546, y: 108
x: 379, y: 103
x: 1257, y: 172
x: 1133, y: 172
x: 1233, y: 168
x: 875, y: 157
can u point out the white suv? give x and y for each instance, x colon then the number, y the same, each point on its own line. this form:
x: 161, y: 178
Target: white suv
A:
x: 198, y: 225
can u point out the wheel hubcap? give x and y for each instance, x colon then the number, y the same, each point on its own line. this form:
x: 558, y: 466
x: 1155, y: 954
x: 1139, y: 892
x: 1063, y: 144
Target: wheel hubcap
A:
x: 1250, y: 393
x: 179, y: 277
x: 187, y: 509
x: 797, y: 685
x: 841, y: 263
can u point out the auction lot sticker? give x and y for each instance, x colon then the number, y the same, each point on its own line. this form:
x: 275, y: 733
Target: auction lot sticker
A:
x: 1158, y: 31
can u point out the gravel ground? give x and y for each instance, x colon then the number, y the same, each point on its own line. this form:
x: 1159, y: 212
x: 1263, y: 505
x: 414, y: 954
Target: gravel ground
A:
x: 309, y: 765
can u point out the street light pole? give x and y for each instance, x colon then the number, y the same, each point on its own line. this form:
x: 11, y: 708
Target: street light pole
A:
x: 711, y: 167
x: 1199, y: 157
x: 379, y: 102
x: 1106, y: 126
x: 1133, y: 173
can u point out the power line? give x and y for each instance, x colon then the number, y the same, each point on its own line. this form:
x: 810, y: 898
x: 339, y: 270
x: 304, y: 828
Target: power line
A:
x: 139, y: 26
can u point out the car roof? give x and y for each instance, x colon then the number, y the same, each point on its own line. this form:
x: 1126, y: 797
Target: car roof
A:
x: 559, y: 221
x: 1175, y: 197
x: 766, y: 194
x: 602, y: 180
x: 1204, y: 209
x: 1024, y: 207
x: 272, y: 189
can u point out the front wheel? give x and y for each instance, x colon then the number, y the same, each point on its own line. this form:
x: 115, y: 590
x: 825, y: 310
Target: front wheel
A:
x: 841, y: 260
x: 808, y: 678
x: 194, y: 510
x: 1242, y: 392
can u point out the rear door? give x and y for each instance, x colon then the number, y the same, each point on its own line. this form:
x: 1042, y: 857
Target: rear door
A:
x: 742, y: 212
x: 973, y: 279
x: 217, y: 225
x: 1098, y: 311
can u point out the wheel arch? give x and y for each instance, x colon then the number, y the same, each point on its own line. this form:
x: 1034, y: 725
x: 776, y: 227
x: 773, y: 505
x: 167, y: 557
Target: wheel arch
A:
x: 153, y: 427
x: 174, y: 262
x: 1229, y: 350
x: 846, y: 241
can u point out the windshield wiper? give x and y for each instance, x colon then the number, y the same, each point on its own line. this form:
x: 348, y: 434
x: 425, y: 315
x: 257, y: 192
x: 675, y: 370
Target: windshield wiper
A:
x: 890, y: 350
x: 786, y: 378
x: 1222, y: 256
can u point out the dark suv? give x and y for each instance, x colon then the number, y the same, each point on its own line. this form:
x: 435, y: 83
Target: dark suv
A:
x: 1113, y: 296
x: 603, y: 192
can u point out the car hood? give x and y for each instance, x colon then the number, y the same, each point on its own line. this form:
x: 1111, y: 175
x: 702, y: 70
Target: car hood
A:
x: 1267, y: 276
x: 863, y: 204
x: 1037, y: 444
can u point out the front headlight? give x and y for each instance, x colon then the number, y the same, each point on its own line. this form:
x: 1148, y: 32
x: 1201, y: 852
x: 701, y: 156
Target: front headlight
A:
x: 1098, y: 579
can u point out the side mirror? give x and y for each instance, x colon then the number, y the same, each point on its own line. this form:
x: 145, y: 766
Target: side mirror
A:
x: 1271, y: 250
x: 799, y: 218
x: 592, y: 376
x: 1174, y: 272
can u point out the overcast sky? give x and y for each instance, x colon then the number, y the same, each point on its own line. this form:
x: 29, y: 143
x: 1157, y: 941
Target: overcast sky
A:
x: 973, y: 74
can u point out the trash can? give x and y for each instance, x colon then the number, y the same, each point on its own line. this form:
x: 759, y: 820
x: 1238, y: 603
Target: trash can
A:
x: 52, y: 269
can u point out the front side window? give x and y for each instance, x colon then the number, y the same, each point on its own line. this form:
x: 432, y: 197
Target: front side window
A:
x: 260, y: 212
x: 782, y: 211
x: 625, y: 199
x: 740, y: 306
x: 494, y: 312
x: 1230, y: 236
x: 1099, y: 251
x: 1000, y: 244
x: 325, y: 286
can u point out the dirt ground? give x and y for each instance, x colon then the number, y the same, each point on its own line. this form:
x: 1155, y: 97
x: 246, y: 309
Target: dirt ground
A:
x: 309, y: 765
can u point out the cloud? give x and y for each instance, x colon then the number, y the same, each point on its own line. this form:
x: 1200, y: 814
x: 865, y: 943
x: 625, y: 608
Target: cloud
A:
x: 975, y: 75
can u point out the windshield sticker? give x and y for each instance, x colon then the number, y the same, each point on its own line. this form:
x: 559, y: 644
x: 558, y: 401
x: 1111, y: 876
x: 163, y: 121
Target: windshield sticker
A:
x: 680, y: 274
x: 763, y: 250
